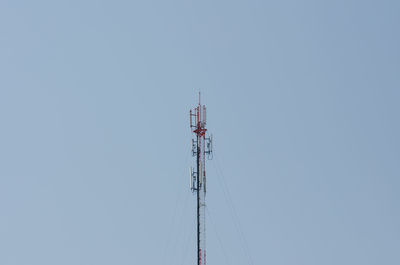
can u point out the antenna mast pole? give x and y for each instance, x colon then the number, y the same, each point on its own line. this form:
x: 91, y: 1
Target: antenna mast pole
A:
x: 201, y: 146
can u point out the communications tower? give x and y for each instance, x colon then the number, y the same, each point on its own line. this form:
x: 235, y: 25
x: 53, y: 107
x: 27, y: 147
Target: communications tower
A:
x: 201, y: 146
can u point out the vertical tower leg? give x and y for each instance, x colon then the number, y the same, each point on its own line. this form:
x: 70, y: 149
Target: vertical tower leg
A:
x: 198, y: 203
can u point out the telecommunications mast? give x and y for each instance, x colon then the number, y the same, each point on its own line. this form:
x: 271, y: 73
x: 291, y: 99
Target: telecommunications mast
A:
x: 201, y: 146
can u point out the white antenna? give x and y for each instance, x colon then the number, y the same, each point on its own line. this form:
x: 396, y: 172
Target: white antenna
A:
x: 191, y: 177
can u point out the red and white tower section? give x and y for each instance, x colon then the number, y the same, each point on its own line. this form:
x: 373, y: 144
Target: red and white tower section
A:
x: 201, y: 146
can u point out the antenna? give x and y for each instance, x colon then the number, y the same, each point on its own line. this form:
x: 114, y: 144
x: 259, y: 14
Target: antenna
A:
x: 201, y: 145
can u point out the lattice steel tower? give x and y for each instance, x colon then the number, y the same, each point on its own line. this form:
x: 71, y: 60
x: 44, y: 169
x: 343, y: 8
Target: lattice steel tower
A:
x: 201, y: 146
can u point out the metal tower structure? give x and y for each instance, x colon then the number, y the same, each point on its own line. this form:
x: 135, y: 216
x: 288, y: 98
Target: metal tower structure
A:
x: 201, y: 146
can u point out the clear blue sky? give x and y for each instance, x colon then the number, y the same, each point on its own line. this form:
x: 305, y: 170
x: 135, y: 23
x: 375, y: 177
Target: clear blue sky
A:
x: 303, y: 101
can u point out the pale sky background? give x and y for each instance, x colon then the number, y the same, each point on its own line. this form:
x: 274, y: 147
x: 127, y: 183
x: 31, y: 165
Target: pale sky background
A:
x: 303, y: 102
